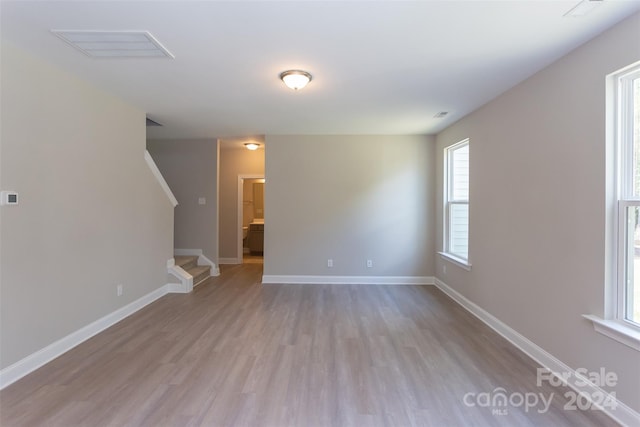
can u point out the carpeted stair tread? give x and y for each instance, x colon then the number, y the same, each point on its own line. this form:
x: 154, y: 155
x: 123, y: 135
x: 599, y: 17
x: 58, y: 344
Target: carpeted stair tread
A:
x: 186, y: 261
x: 199, y: 273
x: 189, y: 263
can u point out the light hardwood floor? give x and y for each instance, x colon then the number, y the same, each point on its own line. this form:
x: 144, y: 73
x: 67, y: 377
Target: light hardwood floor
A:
x: 236, y: 353
x: 252, y: 259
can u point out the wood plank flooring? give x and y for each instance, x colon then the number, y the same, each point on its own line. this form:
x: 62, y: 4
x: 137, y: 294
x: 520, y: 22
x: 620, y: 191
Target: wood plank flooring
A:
x: 236, y: 353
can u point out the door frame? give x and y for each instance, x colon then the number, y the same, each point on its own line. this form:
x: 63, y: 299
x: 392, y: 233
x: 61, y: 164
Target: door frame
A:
x: 240, y: 209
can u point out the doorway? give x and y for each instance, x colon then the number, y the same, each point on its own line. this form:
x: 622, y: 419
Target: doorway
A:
x: 251, y: 218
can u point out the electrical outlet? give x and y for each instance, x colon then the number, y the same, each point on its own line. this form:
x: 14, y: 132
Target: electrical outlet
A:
x: 369, y: 263
x: 329, y: 263
x: 444, y: 268
x: 202, y: 201
x: 119, y: 290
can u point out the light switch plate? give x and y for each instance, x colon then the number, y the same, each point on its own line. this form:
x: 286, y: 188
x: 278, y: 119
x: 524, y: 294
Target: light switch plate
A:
x: 8, y: 198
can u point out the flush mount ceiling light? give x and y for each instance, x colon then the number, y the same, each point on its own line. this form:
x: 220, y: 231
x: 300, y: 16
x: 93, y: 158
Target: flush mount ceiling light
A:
x: 252, y: 146
x: 295, y: 79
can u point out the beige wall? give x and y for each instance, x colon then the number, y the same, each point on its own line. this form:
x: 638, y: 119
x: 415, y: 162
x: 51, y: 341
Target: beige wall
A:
x: 91, y: 214
x: 190, y: 169
x: 537, y: 207
x: 349, y: 198
x: 234, y: 160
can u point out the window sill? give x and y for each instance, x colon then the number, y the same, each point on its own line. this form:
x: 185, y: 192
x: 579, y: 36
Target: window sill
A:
x: 616, y: 330
x: 455, y: 260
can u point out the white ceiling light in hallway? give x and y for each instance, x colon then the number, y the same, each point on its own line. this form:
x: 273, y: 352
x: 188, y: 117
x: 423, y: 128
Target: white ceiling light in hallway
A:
x: 295, y: 79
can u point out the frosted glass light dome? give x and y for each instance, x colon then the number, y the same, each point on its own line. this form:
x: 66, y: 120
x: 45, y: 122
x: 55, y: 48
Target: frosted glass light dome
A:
x: 295, y: 79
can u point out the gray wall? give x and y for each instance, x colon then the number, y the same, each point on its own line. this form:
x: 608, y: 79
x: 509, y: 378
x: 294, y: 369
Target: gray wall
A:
x: 190, y: 169
x: 537, y: 207
x: 91, y: 214
x: 349, y: 198
x: 234, y: 160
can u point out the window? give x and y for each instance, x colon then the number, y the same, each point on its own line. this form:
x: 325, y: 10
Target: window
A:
x: 628, y: 203
x: 456, y: 204
x: 622, y: 307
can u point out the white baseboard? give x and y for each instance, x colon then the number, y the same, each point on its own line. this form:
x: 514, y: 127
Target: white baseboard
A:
x: 349, y: 280
x: 202, y: 260
x: 25, y: 366
x: 230, y: 261
x: 175, y: 288
x: 622, y: 413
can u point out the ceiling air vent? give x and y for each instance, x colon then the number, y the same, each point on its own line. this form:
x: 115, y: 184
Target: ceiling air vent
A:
x: 441, y: 114
x: 114, y: 44
x: 152, y: 123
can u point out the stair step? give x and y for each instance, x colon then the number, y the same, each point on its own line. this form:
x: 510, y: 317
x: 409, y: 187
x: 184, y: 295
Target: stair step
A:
x: 199, y: 273
x: 189, y: 263
x: 186, y: 261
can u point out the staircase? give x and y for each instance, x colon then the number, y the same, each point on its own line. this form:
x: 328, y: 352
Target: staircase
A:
x: 189, y: 263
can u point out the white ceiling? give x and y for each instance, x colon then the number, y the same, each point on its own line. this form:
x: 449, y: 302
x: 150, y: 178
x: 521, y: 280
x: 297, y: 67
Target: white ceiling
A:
x: 379, y: 67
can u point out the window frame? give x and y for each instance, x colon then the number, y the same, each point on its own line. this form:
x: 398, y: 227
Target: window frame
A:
x: 620, y: 105
x: 624, y: 123
x: 448, y: 202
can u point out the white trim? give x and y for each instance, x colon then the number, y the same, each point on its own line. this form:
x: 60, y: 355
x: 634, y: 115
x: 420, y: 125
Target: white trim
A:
x: 240, y: 210
x: 174, y: 288
x: 616, y: 330
x: 186, y: 280
x: 620, y: 196
x: 622, y: 413
x: 25, y: 366
x: 202, y: 259
x: 611, y: 200
x: 456, y: 260
x: 348, y: 280
x: 447, y: 193
x: 230, y: 261
x: 158, y: 175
